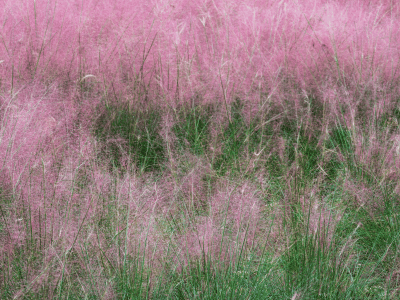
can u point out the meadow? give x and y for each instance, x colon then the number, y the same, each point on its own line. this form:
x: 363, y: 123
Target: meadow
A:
x: 210, y: 149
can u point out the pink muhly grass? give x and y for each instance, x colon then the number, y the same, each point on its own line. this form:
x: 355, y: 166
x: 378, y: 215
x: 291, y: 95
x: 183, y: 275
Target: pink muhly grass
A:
x: 33, y: 143
x: 139, y: 204
x: 321, y: 63
x: 232, y: 223
x: 43, y: 170
x: 251, y: 60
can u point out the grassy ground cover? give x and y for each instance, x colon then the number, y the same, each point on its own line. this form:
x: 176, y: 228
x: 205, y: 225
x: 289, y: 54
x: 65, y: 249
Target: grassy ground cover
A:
x: 199, y: 150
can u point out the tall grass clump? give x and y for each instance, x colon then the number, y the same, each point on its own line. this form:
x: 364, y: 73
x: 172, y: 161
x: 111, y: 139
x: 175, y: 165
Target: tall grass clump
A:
x: 199, y: 149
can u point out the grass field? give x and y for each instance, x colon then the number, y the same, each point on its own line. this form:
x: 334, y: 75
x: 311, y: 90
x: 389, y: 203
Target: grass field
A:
x: 199, y: 149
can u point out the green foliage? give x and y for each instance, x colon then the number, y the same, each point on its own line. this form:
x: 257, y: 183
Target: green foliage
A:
x: 275, y: 166
x: 317, y: 270
x: 380, y: 232
x: 203, y: 278
x: 306, y: 145
x: 311, y: 154
x: 192, y: 129
x: 238, y: 137
x: 131, y: 281
x: 233, y: 138
x: 341, y: 138
x: 339, y: 141
x: 140, y: 133
x: 374, y: 230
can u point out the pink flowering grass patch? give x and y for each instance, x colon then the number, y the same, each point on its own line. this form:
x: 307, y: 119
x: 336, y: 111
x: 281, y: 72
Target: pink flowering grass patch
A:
x: 212, y: 149
x: 171, y: 52
x: 233, y: 221
x: 45, y: 168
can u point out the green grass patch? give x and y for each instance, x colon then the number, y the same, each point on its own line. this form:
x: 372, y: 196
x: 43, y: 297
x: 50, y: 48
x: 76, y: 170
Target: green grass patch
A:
x: 139, y: 131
